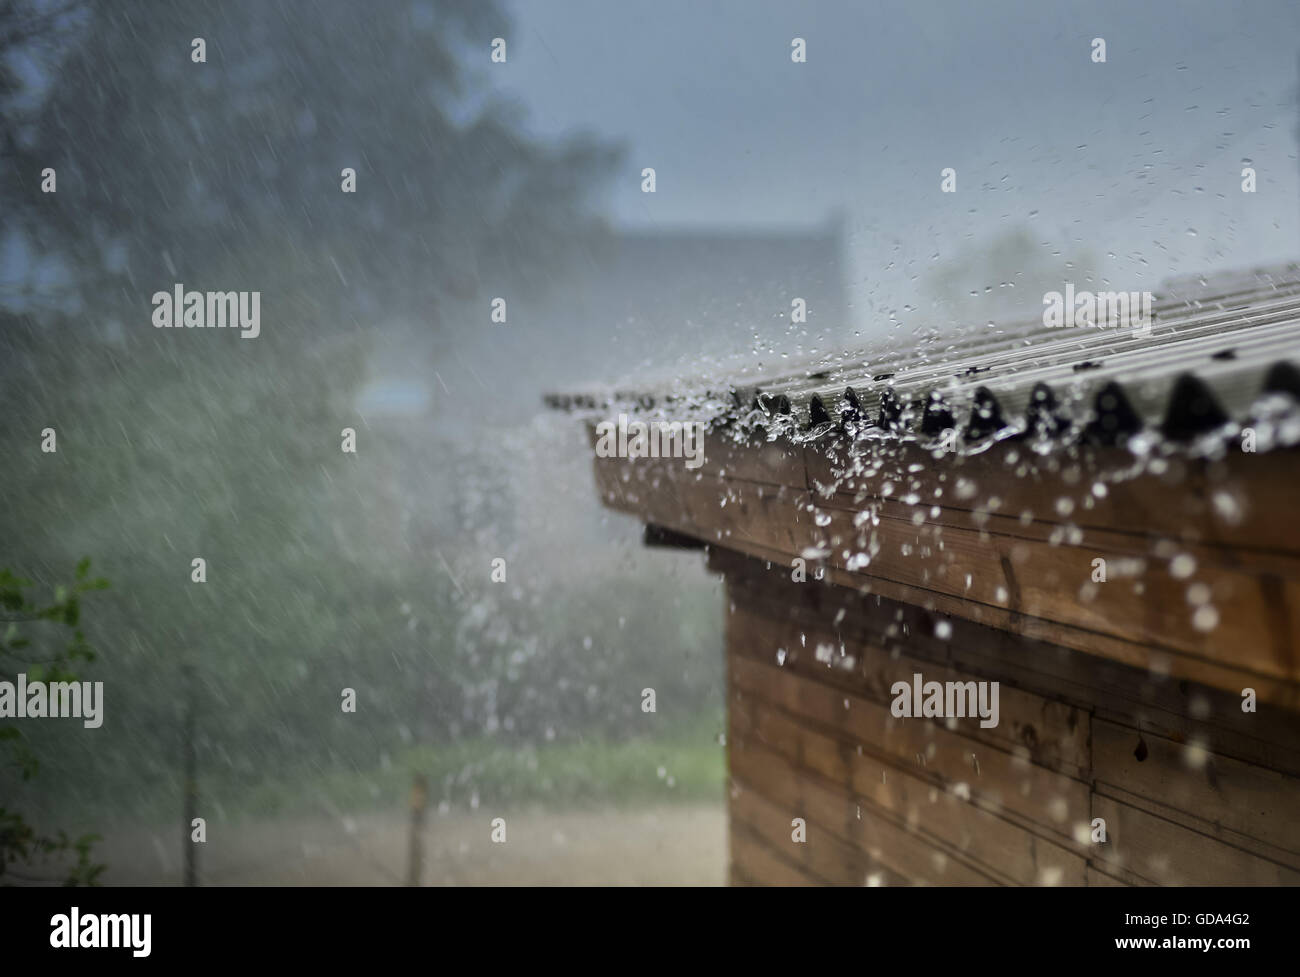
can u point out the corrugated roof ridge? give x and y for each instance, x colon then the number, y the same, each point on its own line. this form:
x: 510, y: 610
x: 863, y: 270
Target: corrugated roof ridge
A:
x: 1228, y: 349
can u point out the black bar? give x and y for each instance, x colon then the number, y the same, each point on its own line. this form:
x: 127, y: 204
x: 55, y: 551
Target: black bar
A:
x: 929, y: 928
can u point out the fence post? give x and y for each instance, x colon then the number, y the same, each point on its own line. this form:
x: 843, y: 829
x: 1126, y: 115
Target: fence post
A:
x: 415, y: 857
x: 191, y: 779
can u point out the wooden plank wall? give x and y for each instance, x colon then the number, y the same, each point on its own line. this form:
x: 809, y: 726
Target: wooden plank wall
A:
x: 1192, y: 789
x: 1001, y: 541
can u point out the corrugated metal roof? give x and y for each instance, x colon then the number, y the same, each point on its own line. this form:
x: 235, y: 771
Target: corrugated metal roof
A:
x: 1219, y: 351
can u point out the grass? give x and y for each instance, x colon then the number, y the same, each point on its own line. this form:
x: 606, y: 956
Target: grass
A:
x: 686, y: 763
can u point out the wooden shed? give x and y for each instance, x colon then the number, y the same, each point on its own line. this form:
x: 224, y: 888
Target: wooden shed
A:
x: 1095, y: 527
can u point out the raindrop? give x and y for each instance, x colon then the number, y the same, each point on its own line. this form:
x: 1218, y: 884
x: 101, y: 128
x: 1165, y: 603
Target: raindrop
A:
x: 1205, y: 619
x: 1195, y: 755
x: 1227, y: 508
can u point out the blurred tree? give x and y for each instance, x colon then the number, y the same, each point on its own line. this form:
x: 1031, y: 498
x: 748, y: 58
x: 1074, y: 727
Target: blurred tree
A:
x: 177, y: 444
x: 172, y: 170
x: 1004, y: 277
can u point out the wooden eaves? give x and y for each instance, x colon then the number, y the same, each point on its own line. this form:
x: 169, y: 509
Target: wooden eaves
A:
x: 854, y: 471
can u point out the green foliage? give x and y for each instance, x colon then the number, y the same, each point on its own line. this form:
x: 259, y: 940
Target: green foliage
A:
x: 21, y: 843
x: 324, y: 570
x: 232, y: 167
x: 174, y: 445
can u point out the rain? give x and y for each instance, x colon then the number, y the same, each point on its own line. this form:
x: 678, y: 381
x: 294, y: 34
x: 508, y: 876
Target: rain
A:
x: 310, y: 314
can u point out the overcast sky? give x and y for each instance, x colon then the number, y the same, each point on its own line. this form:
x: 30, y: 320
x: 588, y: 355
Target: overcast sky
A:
x: 1137, y: 161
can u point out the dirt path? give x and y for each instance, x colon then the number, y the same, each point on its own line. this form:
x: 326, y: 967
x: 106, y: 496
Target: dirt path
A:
x: 665, y: 846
